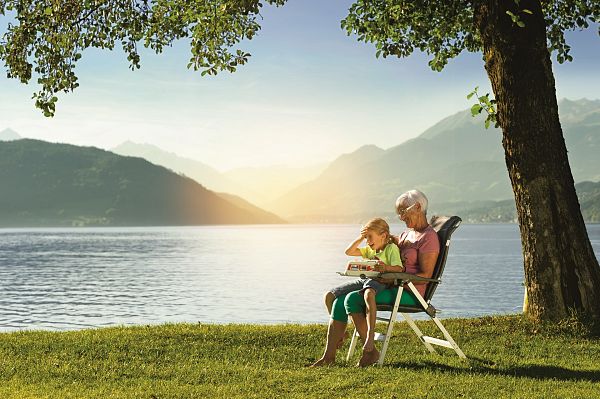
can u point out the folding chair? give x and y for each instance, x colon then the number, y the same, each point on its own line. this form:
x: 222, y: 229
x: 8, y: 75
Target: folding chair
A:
x: 444, y: 226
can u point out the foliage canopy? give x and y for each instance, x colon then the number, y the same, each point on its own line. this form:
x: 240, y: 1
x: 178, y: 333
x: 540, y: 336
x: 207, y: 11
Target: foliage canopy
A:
x: 444, y: 29
x: 45, y: 38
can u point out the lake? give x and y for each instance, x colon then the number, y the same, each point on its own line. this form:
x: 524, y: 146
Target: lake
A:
x: 73, y: 278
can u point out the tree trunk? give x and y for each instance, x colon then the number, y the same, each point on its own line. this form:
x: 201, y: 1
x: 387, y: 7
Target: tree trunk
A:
x: 561, y: 270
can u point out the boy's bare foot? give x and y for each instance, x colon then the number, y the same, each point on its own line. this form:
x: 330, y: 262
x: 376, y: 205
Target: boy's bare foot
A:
x: 369, y: 358
x: 369, y: 345
x: 344, y: 337
x: 322, y: 362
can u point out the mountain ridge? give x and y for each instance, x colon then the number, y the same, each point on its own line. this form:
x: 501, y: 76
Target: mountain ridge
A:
x: 8, y: 135
x: 53, y: 184
x: 258, y: 185
x: 456, y: 160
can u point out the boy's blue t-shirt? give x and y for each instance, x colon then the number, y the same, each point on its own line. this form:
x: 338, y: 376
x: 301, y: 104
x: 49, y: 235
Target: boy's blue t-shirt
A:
x: 390, y: 255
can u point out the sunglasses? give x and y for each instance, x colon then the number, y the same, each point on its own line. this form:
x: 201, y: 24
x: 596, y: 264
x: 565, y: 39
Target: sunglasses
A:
x: 403, y: 212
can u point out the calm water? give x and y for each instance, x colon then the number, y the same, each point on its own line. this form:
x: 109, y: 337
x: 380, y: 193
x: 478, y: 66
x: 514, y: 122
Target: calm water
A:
x: 91, y: 277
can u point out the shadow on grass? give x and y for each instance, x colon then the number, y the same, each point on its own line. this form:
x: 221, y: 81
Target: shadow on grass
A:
x: 482, y: 366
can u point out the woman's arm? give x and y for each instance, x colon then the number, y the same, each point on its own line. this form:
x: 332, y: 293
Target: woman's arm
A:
x: 427, y: 262
x: 391, y: 269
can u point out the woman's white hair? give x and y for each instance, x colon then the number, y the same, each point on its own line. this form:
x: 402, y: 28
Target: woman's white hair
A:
x: 410, y: 198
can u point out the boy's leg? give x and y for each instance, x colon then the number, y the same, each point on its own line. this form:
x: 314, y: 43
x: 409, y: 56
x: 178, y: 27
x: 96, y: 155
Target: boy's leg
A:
x: 369, y: 291
x: 369, y: 295
x: 340, y: 291
x: 355, y: 307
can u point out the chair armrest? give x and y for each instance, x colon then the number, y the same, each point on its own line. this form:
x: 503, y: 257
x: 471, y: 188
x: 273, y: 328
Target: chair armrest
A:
x: 408, y: 277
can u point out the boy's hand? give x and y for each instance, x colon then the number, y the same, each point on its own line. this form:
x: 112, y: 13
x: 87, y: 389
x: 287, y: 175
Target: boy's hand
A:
x: 379, y: 267
x: 363, y: 233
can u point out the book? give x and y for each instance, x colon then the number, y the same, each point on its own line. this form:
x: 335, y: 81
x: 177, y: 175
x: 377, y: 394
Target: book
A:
x: 361, y: 268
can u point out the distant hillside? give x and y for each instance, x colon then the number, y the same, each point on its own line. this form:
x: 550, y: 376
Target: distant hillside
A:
x: 9, y: 134
x: 258, y: 185
x: 265, y: 184
x: 202, y: 173
x: 589, y: 200
x: 506, y: 212
x: 45, y: 184
x: 455, y: 161
x: 243, y: 204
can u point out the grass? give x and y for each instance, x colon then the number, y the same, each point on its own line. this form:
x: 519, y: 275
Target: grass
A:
x: 508, y: 358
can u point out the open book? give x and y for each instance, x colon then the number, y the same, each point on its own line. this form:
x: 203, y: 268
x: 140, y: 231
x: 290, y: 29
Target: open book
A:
x: 361, y: 268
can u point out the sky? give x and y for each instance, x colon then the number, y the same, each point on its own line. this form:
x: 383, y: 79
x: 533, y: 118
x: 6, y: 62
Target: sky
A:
x: 308, y: 94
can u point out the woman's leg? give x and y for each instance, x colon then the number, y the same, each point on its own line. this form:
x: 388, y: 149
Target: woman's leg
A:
x: 388, y: 297
x: 335, y: 332
x: 355, y: 307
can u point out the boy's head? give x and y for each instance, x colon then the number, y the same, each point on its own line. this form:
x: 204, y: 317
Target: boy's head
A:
x: 378, y: 233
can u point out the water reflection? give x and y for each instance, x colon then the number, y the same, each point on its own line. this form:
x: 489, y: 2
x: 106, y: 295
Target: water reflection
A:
x: 89, y: 277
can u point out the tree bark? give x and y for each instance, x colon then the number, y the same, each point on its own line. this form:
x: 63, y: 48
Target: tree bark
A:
x: 561, y: 270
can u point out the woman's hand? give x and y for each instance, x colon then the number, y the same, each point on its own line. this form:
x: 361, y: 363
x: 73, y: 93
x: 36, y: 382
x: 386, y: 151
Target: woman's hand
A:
x: 383, y: 268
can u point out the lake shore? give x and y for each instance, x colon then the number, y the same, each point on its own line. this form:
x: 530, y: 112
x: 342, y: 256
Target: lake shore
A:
x: 507, y: 357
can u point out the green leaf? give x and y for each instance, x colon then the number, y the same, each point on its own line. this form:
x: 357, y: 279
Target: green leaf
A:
x: 476, y: 109
x: 521, y: 24
x: 471, y: 94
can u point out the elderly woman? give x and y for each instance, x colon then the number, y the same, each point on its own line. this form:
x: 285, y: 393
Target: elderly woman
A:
x: 419, y: 249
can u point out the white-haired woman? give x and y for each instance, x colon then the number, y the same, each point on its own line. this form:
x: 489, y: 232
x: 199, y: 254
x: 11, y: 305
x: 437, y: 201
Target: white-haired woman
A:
x: 419, y: 249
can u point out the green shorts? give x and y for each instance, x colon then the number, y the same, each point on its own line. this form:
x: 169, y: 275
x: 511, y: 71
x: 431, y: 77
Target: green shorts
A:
x: 354, y: 302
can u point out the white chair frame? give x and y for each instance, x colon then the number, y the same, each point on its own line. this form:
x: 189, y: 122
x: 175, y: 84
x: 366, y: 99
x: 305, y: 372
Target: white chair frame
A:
x: 401, y: 279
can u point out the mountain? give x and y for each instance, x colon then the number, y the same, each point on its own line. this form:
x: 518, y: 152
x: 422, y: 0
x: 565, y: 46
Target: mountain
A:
x: 589, y: 200
x: 332, y: 196
x: 8, y: 134
x: 456, y: 161
x: 270, y: 182
x: 243, y: 204
x: 581, y: 123
x: 258, y: 185
x: 47, y: 184
x: 202, y: 173
x: 506, y: 212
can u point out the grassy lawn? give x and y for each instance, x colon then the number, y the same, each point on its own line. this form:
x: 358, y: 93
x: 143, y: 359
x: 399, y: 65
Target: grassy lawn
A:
x: 508, y: 358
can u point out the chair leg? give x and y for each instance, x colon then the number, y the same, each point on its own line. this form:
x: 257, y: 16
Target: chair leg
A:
x: 417, y: 331
x: 449, y: 342
x: 449, y: 338
x: 352, y: 345
x: 388, y: 332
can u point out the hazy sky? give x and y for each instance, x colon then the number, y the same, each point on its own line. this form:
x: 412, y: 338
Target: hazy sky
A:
x: 308, y: 94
